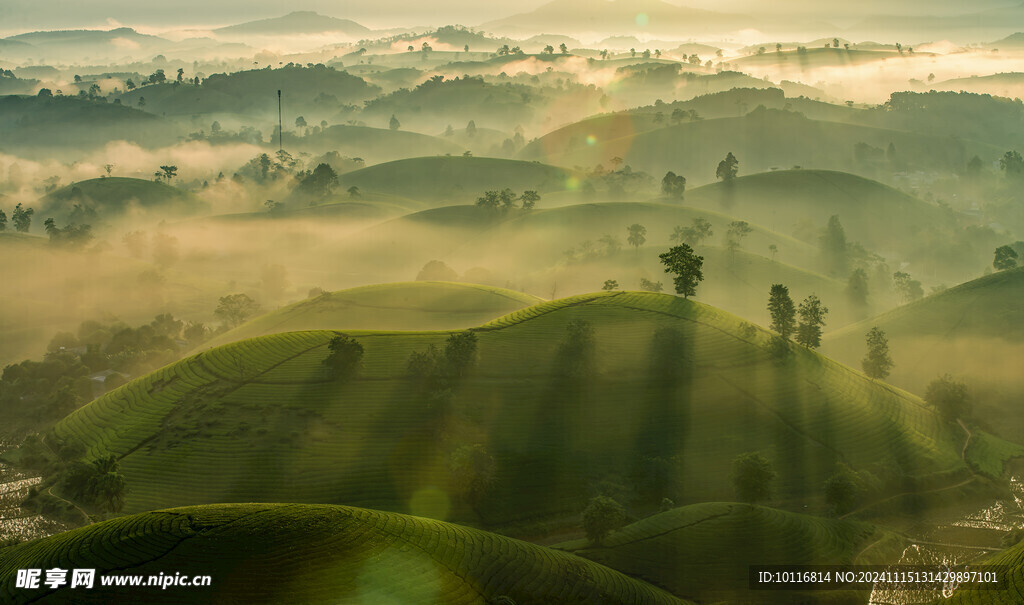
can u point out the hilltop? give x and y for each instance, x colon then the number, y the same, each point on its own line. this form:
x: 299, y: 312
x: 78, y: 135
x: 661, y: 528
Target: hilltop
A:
x: 276, y: 553
x: 764, y: 139
x: 703, y: 551
x: 105, y: 199
x: 421, y: 305
x: 259, y: 420
x: 455, y: 177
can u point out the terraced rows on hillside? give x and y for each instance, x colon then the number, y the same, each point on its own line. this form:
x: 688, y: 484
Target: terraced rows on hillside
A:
x: 288, y: 553
x: 703, y: 551
x: 259, y: 420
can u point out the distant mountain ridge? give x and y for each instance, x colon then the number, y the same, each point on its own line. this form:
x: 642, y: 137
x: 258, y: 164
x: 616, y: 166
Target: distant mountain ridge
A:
x: 621, y: 17
x: 298, y: 22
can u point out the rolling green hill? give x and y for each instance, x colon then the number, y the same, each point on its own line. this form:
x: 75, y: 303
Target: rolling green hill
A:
x: 114, y: 197
x: 971, y: 331
x: 421, y: 305
x: 375, y: 144
x: 289, y: 553
x: 703, y: 551
x: 456, y: 178
x: 260, y: 420
x: 761, y: 140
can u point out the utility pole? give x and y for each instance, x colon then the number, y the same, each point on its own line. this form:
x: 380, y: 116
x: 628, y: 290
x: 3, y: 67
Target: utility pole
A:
x: 280, y: 124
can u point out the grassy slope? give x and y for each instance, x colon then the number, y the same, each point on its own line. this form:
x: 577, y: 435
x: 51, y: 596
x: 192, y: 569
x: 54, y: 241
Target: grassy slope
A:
x: 971, y: 331
x: 418, y: 305
x: 376, y: 144
x: 462, y: 178
x: 760, y: 142
x: 703, y: 551
x: 878, y: 216
x: 258, y: 421
x: 288, y: 553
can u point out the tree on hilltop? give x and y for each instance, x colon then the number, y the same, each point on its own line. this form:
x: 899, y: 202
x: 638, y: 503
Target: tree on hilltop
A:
x: 812, y: 318
x: 727, y: 168
x: 781, y: 310
x: 752, y: 476
x: 681, y: 261
x: 877, y: 362
x: 602, y: 516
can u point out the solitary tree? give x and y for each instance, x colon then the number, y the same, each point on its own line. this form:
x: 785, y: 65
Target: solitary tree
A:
x: 833, y: 246
x: 489, y: 200
x: 948, y: 397
x: 393, y: 123
x: 681, y: 261
x: 857, y: 288
x: 650, y: 286
x: 609, y: 285
x: 752, y: 476
x: 549, y: 49
x: 344, y: 358
x: 1012, y: 164
x: 812, y: 318
x: 529, y: 199
x: 782, y: 311
x: 602, y: 516
x: 736, y: 232
x: 168, y: 172
x: 107, y: 484
x: 673, y: 185
x: 562, y: 48
x: 843, y: 490
x: 21, y: 218
x: 727, y: 168
x: 236, y: 308
x: 637, y: 235
x: 877, y: 362
x: 1005, y: 258
x: 460, y: 352
x: 472, y: 470
x: 3, y: 221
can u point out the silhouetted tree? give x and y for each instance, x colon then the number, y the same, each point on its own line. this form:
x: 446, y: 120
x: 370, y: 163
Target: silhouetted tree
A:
x: 833, y: 246
x: 752, y: 476
x: 471, y: 128
x: 948, y: 397
x: 727, y: 168
x: 393, y: 123
x: 1005, y: 258
x: 234, y: 309
x: 344, y: 357
x: 529, y: 199
x: 562, y: 48
x: 3, y: 221
x: 877, y: 363
x: 781, y: 310
x: 857, y: 288
x: 650, y: 286
x: 549, y: 49
x: 609, y: 285
x: 812, y: 318
x: 490, y: 199
x: 673, y: 185
x: 907, y: 289
x: 460, y: 352
x: 168, y: 172
x: 1012, y: 164
x: 602, y: 516
x: 21, y: 218
x: 637, y: 235
x: 686, y: 266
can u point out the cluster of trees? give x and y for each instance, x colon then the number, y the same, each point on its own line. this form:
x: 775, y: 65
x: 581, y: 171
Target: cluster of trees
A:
x: 21, y: 219
x: 727, y: 168
x: 72, y: 236
x: 436, y: 372
x: 96, y: 483
x: 693, y: 235
x: 506, y: 199
x: 345, y: 357
x: 673, y: 185
x: 1005, y: 258
x: 784, y: 317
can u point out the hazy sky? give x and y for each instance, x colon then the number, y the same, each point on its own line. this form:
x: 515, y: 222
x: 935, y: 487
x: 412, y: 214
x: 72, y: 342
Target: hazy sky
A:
x: 23, y: 15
